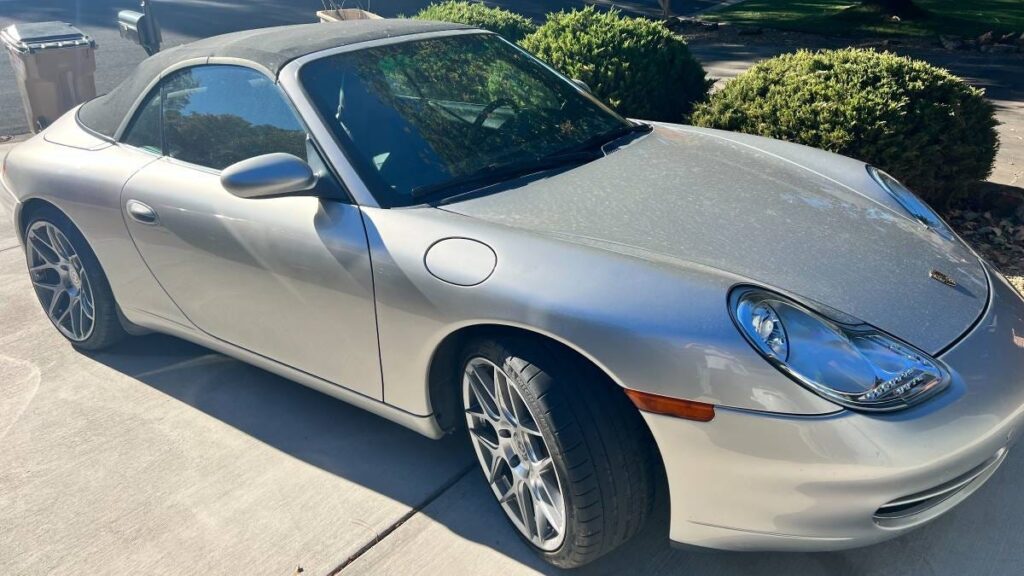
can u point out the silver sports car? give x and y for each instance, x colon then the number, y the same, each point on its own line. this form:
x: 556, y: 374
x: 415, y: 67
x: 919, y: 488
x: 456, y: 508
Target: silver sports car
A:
x: 425, y: 221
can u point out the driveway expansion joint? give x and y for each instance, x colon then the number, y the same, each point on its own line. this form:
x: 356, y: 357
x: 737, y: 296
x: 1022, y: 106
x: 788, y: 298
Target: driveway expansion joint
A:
x: 405, y: 518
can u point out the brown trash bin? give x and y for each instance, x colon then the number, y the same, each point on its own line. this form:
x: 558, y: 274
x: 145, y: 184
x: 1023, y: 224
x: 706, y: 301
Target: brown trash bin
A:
x: 54, y: 64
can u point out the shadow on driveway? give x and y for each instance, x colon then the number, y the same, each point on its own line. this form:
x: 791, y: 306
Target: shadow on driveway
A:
x: 313, y: 427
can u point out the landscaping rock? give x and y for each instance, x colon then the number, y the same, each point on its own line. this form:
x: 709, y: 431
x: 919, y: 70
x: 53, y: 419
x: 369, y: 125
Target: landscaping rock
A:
x: 1010, y: 38
x: 683, y: 23
x: 987, y: 38
x: 951, y: 43
x: 687, y: 23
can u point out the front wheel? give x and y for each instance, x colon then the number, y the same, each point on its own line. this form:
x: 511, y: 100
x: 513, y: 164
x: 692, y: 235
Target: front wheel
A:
x: 568, y: 458
x: 69, y: 282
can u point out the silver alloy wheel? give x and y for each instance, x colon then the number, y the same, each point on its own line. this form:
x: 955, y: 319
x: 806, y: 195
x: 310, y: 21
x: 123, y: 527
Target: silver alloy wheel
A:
x: 61, y: 281
x: 513, y: 454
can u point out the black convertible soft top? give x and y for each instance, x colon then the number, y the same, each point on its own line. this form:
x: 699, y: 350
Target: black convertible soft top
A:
x: 270, y: 47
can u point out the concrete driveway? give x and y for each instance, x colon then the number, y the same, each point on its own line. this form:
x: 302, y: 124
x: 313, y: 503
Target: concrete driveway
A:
x: 161, y: 457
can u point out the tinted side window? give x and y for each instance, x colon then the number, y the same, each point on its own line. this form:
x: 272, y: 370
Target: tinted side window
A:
x: 144, y: 130
x: 215, y: 116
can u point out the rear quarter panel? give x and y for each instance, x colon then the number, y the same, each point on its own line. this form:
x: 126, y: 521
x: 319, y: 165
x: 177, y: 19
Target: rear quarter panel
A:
x: 82, y: 175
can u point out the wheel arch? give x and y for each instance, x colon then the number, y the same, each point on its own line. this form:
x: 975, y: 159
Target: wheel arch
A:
x: 33, y: 205
x: 30, y: 206
x: 442, y: 371
x: 444, y: 392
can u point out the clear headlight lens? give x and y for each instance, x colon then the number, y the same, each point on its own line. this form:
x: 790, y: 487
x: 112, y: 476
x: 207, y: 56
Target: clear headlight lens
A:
x: 848, y: 362
x: 914, y: 206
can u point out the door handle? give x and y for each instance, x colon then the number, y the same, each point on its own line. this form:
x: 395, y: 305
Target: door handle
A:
x: 141, y: 212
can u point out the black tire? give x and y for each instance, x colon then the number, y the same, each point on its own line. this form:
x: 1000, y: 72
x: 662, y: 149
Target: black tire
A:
x: 601, y: 448
x: 107, y: 329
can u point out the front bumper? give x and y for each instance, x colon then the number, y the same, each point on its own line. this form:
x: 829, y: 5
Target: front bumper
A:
x: 758, y: 481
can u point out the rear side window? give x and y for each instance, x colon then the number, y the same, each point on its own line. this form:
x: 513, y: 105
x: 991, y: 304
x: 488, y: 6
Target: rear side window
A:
x: 144, y: 131
x: 215, y: 116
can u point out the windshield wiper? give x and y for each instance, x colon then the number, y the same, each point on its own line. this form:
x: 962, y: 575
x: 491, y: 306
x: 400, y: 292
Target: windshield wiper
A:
x: 494, y: 173
x: 601, y: 140
x: 589, y: 149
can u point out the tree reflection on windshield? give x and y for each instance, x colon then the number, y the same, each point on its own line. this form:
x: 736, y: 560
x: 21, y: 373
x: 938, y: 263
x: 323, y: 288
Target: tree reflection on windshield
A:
x: 415, y: 115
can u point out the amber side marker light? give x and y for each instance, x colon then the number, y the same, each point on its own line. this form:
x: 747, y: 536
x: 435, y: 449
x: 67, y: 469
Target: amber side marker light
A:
x: 657, y: 404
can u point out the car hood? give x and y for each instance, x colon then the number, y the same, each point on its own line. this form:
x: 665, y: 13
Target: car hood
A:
x: 780, y: 215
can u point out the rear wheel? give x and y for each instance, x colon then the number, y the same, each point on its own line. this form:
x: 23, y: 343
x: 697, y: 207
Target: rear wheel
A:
x: 69, y: 282
x: 568, y: 458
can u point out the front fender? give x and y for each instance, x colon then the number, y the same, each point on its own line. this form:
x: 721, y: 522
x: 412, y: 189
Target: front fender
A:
x: 844, y: 171
x: 652, y: 324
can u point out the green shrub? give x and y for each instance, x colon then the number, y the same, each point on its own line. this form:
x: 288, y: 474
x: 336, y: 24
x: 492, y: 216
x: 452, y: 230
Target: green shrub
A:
x: 920, y: 123
x: 509, y: 24
x: 636, y: 65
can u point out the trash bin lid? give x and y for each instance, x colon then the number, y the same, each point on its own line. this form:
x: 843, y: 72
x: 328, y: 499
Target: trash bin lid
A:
x: 33, y: 36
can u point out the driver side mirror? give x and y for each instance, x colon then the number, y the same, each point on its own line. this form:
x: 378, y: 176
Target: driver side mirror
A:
x: 268, y: 176
x: 582, y: 85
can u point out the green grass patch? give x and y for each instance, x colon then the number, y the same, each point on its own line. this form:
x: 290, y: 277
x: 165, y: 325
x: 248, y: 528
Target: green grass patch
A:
x: 851, y: 18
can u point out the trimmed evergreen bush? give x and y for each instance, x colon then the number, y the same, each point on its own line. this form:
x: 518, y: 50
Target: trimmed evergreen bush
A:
x: 636, y: 65
x: 917, y: 122
x: 509, y: 24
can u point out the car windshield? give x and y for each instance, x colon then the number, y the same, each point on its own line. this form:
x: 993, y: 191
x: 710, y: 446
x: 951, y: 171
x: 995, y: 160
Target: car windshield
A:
x: 427, y: 119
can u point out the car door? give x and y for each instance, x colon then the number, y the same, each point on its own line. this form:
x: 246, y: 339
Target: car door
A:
x: 287, y: 278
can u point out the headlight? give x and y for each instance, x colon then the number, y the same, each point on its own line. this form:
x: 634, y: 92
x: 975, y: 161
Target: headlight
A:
x: 834, y: 355
x: 914, y: 206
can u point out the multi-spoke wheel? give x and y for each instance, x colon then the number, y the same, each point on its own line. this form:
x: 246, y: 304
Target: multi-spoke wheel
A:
x: 568, y: 458
x: 69, y: 282
x: 513, y: 454
x: 61, y: 281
